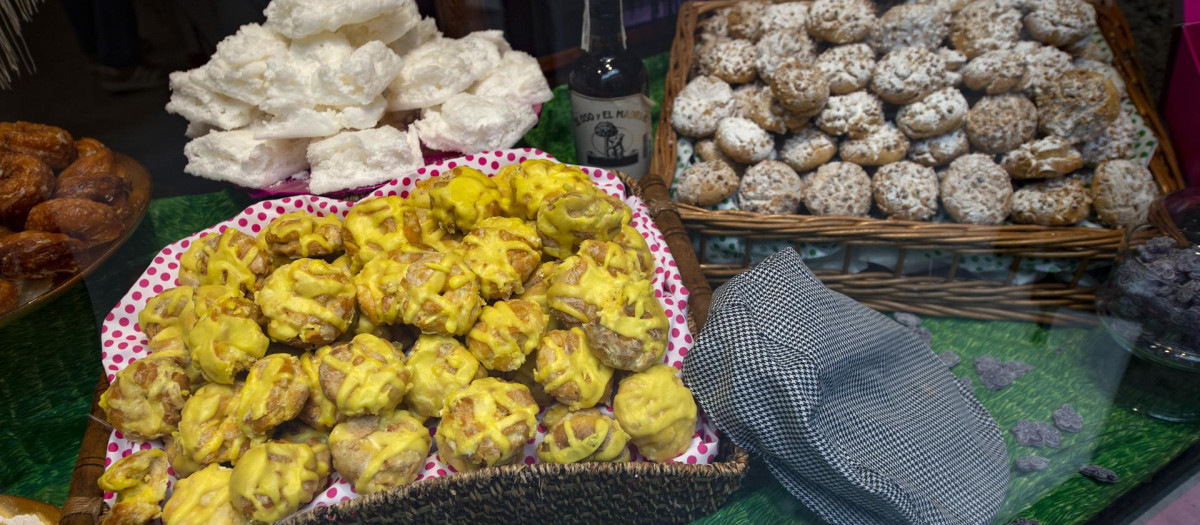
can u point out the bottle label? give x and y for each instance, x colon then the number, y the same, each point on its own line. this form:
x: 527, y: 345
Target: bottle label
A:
x: 612, y: 133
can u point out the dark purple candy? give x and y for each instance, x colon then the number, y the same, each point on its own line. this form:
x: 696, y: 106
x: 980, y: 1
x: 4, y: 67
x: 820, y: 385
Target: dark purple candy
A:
x: 996, y: 375
x: 949, y: 358
x: 1036, y: 434
x: 1031, y: 463
x: 1067, y: 419
x: 1099, y: 473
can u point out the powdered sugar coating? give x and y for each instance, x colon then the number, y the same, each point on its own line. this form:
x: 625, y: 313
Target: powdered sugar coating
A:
x: 1048, y: 157
x: 1122, y: 192
x: 732, y: 61
x: 941, y: 112
x: 1102, y: 68
x: 716, y: 25
x: 779, y: 46
x: 885, y: 145
x: 1056, y: 202
x: 1079, y: 105
x: 975, y: 190
x: 994, y: 72
x: 744, y: 141
x: 708, y: 150
x: 745, y: 19
x: 1117, y: 142
x: 841, y: 21
x: 939, y: 150
x: 953, y: 6
x: 788, y: 15
x: 1060, y: 22
x: 807, y: 149
x: 801, y: 88
x: 906, y: 191
x: 700, y: 105
x: 953, y: 58
x: 838, y: 188
x: 905, y: 25
x: 1000, y: 123
x: 1043, y: 65
x: 766, y: 111
x: 847, y: 68
x: 744, y: 97
x: 706, y: 183
x: 985, y: 25
x: 907, y: 75
x: 854, y: 115
x: 1092, y: 46
x: 770, y: 187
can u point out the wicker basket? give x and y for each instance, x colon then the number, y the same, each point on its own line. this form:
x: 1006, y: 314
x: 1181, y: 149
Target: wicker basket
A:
x: 628, y: 493
x: 953, y: 292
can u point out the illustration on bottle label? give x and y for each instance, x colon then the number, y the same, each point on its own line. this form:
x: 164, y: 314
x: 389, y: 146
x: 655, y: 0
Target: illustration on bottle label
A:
x: 612, y: 133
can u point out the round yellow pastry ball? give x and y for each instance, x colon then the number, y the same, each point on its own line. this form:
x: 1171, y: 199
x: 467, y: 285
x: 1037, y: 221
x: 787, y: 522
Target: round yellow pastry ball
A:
x: 301, y: 234
x: 308, y: 302
x: 567, y: 370
x: 536, y: 181
x: 272, y: 481
x: 202, y: 499
x: 440, y: 294
x: 319, y: 411
x: 657, y: 411
x: 379, y: 452
x: 506, y: 333
x: 230, y: 258
x: 463, y: 197
x: 275, y: 391
x: 503, y: 252
x: 366, y: 375
x: 570, y: 218
x: 227, y: 339
x: 140, y: 481
x: 584, y: 436
x: 486, y: 424
x: 208, y: 429
x: 145, y: 399
x: 438, y: 365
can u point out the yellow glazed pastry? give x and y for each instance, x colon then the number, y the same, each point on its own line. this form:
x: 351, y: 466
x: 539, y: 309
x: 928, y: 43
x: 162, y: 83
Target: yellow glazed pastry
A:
x: 203, y: 499
x: 272, y: 481
x: 419, y: 196
x: 208, y: 430
x: 536, y: 286
x: 348, y: 264
x: 299, y: 234
x: 580, y: 289
x: 181, y: 463
x: 145, y: 399
x: 162, y: 318
x: 505, y: 333
x: 632, y: 241
x: 380, y: 285
x: 375, y: 453
x: 364, y: 376
x: 567, y: 370
x: 227, y: 339
x: 524, y: 376
x: 537, y: 181
x: 140, y: 481
x: 503, y: 252
x: 462, y: 198
x: 615, y: 259
x: 319, y: 411
x: 275, y: 391
x: 573, y: 217
x: 438, y: 365
x: 203, y: 299
x: 374, y: 227
x: 584, y: 436
x: 503, y: 180
x: 440, y: 294
x: 318, y: 440
x: 230, y: 258
x: 657, y: 411
x: 308, y: 302
x: 486, y: 424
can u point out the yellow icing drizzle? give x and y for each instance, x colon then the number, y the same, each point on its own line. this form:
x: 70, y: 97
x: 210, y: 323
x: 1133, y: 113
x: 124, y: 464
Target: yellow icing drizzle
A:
x: 657, y: 411
x: 612, y: 257
x: 375, y: 378
x: 140, y: 481
x: 319, y: 412
x: 231, y: 258
x: 164, y: 311
x: 503, y: 252
x: 503, y: 180
x: 536, y: 181
x: 570, y: 218
x: 140, y: 410
x: 375, y: 226
x: 380, y: 285
x: 307, y: 302
x: 208, y: 431
x: 589, y: 435
x: 492, y: 405
x: 285, y: 474
x: 567, y: 369
x: 273, y: 381
x: 203, y: 299
x: 441, y: 294
x: 302, y: 234
x: 595, y: 287
x: 632, y: 241
x: 438, y: 365
x: 202, y: 499
x: 405, y: 435
x: 419, y: 196
x: 463, y: 197
x: 505, y: 333
x: 227, y: 340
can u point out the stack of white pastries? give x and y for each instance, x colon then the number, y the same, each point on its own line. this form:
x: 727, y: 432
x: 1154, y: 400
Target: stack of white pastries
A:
x: 350, y: 91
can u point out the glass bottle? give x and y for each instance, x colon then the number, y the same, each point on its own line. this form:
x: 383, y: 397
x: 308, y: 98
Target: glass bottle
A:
x: 608, y: 87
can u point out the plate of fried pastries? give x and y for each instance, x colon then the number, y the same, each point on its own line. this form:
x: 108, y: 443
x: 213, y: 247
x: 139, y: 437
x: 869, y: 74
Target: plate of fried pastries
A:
x: 494, y: 309
x: 66, y: 205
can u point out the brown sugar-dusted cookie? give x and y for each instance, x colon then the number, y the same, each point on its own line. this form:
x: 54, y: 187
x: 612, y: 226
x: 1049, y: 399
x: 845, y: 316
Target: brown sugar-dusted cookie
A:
x: 709, y: 150
x: 787, y: 15
x: 800, y: 88
x: 706, y: 183
x: 807, y: 149
x: 841, y: 21
x: 1056, y: 202
x: 700, y: 105
x: 907, y: 75
x: 976, y: 191
x: 745, y: 19
x: 1060, y: 22
x: 780, y: 46
x: 941, y: 112
x: 1122, y: 191
x: 847, y: 68
x: 994, y: 72
x: 985, y: 25
x: 743, y: 141
x: 883, y: 146
x: 1104, y: 68
x: 906, y: 191
x: 905, y: 25
x: 766, y: 111
x: 1043, y: 64
x: 731, y: 61
x: 838, y: 188
x: 1117, y: 142
x: 1078, y: 105
x: 855, y: 115
x: 1000, y: 123
x: 1045, y: 158
x: 770, y: 187
x: 940, y: 150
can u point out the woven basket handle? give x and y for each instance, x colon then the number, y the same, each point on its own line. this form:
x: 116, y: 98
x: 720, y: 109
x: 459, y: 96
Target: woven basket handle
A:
x: 86, y: 501
x: 662, y: 209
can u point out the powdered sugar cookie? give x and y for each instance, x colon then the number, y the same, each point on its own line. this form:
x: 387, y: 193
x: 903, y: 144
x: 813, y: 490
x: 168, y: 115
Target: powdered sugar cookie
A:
x: 743, y: 141
x: 780, y: 46
x: 975, y: 190
x: 1103, y: 68
x: 1122, y: 191
x: 1079, y: 105
x: 882, y: 146
x: 769, y: 114
x: 994, y: 72
x: 953, y: 58
x: 700, y: 105
x: 800, y: 88
x: 1060, y: 22
x: 708, y: 150
x: 906, y: 25
x: 985, y: 25
x: 808, y: 149
x: 1042, y: 159
x: 1057, y: 202
x: 716, y: 25
x: 939, y: 150
x: 744, y: 97
x: 732, y: 61
x: 770, y: 187
x: 787, y: 15
x: 838, y: 188
x: 941, y: 112
x: 706, y: 183
x: 1000, y: 123
x: 745, y: 19
x: 847, y: 68
x: 841, y: 21
x: 906, y: 191
x: 907, y: 75
x: 854, y: 115
x: 1117, y: 142
x: 1043, y: 64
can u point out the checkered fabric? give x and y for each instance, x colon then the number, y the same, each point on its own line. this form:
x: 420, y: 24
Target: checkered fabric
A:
x: 849, y: 410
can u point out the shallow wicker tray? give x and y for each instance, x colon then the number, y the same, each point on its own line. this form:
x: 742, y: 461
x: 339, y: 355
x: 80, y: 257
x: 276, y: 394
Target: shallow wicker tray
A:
x: 954, y: 293
x: 626, y: 493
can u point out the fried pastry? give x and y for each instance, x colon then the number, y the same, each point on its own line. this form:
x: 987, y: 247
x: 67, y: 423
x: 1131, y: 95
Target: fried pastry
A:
x: 319, y: 411
x: 503, y: 252
x: 440, y: 294
x: 86, y: 146
x: 616, y: 259
x: 375, y: 453
x: 272, y: 480
x: 462, y: 198
x: 24, y: 183
x: 182, y: 464
x: 99, y: 163
x: 418, y: 197
x: 536, y: 286
x: 227, y: 339
x: 657, y: 411
x: 90, y: 222
x: 299, y: 234
x: 162, y: 318
x: 140, y: 481
x: 203, y: 499
x: 203, y: 300
x: 9, y: 296
x: 307, y: 302
x: 486, y: 424
x: 584, y: 436
x: 524, y: 376
x: 438, y: 365
x: 573, y: 217
x: 537, y: 181
x: 634, y: 243
x: 110, y: 190
x: 379, y: 286
x: 506, y: 333
x: 364, y: 376
x: 568, y: 370
x: 35, y: 255
x: 49, y: 144
x: 230, y: 258
x: 208, y: 429
x: 275, y: 391
x: 145, y: 399
x: 374, y: 227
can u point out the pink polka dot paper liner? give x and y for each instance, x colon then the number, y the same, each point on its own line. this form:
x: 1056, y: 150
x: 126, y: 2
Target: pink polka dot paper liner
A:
x: 123, y: 342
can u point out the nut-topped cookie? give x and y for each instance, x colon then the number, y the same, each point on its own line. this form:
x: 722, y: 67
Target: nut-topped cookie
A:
x: 975, y: 190
x: 906, y: 191
x: 800, y: 88
x: 998, y: 124
x: 1049, y: 157
x: 855, y: 115
x: 700, y: 105
x: 706, y: 183
x: 908, y: 75
x: 885, y: 145
x: 841, y: 21
x: 1060, y: 22
x: 847, y: 68
x: 807, y: 149
x: 985, y: 25
x: 1122, y: 191
x: 1056, y: 202
x: 838, y: 188
x: 941, y: 112
x: 905, y: 25
x: 939, y: 150
x: 770, y: 187
x: 1078, y: 105
x: 994, y: 72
